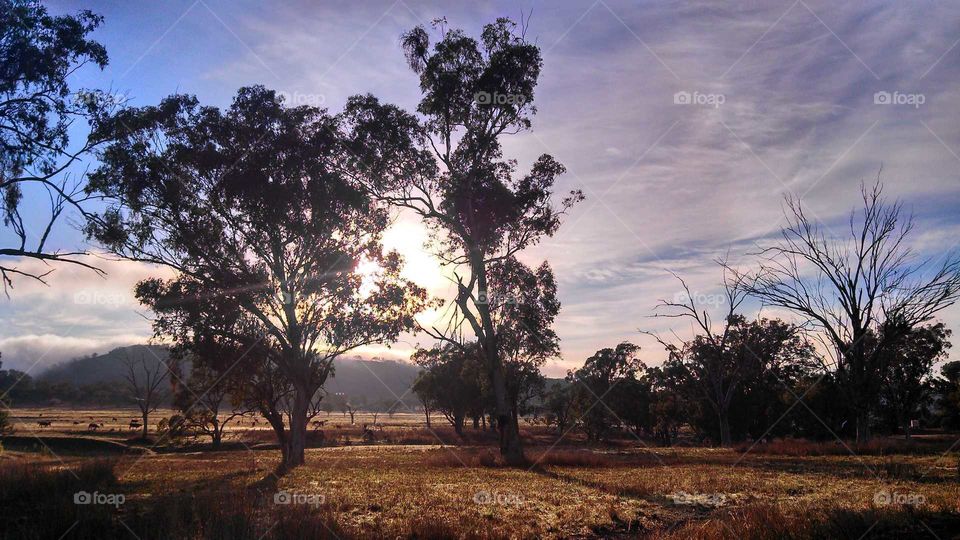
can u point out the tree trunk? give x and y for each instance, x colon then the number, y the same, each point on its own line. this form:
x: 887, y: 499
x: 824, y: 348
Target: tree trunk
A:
x: 724, y: 417
x: 511, y: 447
x: 458, y: 424
x: 863, y: 427
x: 426, y: 412
x: 217, y: 436
x: 476, y: 423
x: 145, y: 415
x: 298, y: 429
x: 279, y: 429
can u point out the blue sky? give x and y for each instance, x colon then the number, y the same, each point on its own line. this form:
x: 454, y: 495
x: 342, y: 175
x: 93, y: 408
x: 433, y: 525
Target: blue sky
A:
x: 783, y: 102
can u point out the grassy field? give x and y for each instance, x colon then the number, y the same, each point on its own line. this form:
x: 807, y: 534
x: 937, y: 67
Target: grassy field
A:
x: 792, y: 489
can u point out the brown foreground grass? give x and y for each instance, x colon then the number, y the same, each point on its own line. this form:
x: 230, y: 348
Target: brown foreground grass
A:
x: 464, y: 492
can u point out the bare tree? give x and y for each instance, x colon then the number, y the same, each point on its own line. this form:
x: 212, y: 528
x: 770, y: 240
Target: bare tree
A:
x: 718, y: 368
x: 351, y: 409
x: 146, y: 385
x: 848, y: 289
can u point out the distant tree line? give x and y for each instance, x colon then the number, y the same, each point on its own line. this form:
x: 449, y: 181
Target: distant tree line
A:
x: 615, y: 394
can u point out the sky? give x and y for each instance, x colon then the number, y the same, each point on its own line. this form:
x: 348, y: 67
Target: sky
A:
x: 685, y: 124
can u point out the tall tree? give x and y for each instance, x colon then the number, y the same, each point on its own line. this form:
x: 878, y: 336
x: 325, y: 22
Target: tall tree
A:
x: 524, y: 305
x: 248, y: 206
x: 38, y: 52
x: 848, y: 289
x: 450, y: 170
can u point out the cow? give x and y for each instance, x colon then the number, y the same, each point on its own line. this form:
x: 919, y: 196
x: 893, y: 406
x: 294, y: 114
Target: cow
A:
x: 94, y: 426
x: 43, y: 423
x: 135, y: 424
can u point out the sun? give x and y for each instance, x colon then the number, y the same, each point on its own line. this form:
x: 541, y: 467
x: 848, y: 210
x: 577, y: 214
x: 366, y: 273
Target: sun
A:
x: 419, y: 265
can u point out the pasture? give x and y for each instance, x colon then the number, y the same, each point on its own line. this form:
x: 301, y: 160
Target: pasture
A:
x: 403, y: 484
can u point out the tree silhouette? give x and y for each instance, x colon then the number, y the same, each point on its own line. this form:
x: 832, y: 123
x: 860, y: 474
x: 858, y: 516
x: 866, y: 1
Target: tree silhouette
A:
x: 247, y: 205
x: 450, y: 170
x: 146, y: 383
x: 38, y: 53
x: 848, y: 288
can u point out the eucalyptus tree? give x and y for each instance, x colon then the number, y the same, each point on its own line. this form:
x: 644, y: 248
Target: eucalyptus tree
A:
x: 447, y: 166
x: 38, y: 53
x: 248, y: 207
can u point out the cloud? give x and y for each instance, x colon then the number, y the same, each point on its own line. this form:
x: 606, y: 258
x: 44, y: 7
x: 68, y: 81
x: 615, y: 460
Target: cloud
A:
x: 669, y: 186
x: 35, y: 353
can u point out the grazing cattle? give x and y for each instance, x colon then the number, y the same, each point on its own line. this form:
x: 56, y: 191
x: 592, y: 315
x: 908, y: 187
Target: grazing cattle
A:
x: 114, y: 419
x: 76, y: 422
x: 94, y: 426
x: 135, y: 424
x: 43, y: 423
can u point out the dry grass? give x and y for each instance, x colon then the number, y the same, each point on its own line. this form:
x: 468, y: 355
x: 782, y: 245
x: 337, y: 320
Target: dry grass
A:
x: 443, y: 492
x: 405, y: 484
x: 876, y: 447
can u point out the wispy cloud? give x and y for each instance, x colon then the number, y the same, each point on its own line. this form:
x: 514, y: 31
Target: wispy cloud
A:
x: 669, y: 185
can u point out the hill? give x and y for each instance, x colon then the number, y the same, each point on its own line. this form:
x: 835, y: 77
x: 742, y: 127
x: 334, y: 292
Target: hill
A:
x: 365, y: 381
x: 103, y: 368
